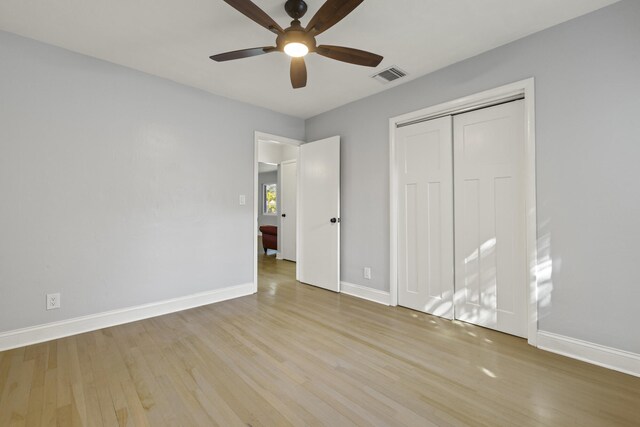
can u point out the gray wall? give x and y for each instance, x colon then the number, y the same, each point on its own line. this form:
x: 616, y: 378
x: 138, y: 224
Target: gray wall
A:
x: 118, y: 188
x: 587, y: 75
x: 267, y: 178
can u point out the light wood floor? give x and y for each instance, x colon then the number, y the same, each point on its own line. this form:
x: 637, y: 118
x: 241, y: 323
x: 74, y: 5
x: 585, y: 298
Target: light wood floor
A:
x: 297, y: 355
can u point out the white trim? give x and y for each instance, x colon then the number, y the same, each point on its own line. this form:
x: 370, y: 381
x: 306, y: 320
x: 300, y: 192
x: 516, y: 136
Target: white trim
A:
x: 266, y: 137
x: 79, y: 325
x: 287, y: 162
x: 256, y: 214
x: 611, y: 358
x: 279, y: 255
x: 375, y: 295
x: 531, y: 206
x: 393, y: 215
x: 298, y: 228
x: 452, y: 107
x: 277, y: 139
x: 525, y: 87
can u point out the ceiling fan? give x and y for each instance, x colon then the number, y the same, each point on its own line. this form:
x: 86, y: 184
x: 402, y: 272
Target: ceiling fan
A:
x: 297, y: 41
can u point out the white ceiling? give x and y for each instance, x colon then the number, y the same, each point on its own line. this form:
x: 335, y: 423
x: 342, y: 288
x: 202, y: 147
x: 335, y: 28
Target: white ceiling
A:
x: 174, y: 39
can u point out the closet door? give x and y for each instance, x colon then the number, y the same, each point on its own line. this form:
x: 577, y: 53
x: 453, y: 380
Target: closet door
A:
x: 490, y: 252
x: 425, y: 217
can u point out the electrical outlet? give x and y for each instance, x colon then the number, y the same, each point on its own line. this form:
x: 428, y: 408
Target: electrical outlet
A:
x: 53, y: 301
x: 367, y: 273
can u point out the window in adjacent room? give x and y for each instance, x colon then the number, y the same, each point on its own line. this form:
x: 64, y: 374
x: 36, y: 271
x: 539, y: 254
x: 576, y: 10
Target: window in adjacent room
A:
x: 269, y: 199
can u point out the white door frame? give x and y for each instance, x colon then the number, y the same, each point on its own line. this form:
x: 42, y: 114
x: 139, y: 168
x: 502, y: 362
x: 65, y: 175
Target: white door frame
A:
x: 524, y: 87
x: 265, y: 137
x: 279, y: 255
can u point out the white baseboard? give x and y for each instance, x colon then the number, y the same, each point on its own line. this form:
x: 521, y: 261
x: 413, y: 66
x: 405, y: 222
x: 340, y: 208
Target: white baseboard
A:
x: 597, y: 354
x: 381, y: 297
x: 78, y: 325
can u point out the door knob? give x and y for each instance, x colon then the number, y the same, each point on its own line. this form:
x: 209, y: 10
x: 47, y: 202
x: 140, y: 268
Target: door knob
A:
x: 284, y: 215
x: 334, y: 220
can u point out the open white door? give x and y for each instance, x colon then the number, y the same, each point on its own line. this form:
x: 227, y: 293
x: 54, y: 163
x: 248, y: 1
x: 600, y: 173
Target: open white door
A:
x: 288, y: 208
x: 319, y: 214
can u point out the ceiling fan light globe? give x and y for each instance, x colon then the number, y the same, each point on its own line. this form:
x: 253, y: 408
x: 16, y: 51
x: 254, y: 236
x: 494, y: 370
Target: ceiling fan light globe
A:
x: 296, y: 50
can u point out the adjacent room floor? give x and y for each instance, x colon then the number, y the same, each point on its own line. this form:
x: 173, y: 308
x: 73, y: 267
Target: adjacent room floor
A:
x: 296, y: 355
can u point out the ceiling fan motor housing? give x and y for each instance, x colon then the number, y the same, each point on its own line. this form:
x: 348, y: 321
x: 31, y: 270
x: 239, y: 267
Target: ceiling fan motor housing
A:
x: 296, y: 34
x: 295, y: 8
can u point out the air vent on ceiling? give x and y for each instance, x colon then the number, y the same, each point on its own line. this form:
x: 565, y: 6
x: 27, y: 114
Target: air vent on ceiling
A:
x: 389, y: 75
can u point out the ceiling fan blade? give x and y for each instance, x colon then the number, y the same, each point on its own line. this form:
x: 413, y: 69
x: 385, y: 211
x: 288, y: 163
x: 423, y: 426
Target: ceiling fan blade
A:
x: 330, y: 14
x: 253, y: 12
x: 298, y: 73
x: 352, y: 56
x: 244, y: 53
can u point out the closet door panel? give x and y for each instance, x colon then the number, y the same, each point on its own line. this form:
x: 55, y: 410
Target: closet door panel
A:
x: 490, y: 252
x: 425, y: 217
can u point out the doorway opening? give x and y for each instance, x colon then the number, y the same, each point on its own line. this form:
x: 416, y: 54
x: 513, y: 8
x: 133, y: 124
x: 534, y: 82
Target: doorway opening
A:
x: 275, y: 202
x: 268, y: 211
x: 304, y: 205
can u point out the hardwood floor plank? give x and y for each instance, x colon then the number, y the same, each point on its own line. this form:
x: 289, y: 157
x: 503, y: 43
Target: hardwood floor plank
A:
x: 138, y: 415
x: 36, y: 396
x: 15, y: 400
x: 50, y: 403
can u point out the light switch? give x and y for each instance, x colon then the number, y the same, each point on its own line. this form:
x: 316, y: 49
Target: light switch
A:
x: 243, y: 200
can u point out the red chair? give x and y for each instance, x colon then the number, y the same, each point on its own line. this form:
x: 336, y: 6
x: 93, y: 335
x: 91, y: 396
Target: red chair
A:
x: 269, y: 237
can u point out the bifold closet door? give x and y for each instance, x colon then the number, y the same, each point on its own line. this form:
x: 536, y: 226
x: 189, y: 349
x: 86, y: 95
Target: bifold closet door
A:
x: 490, y: 251
x: 425, y: 216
